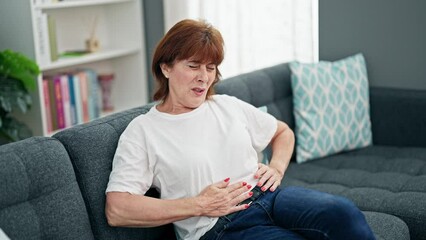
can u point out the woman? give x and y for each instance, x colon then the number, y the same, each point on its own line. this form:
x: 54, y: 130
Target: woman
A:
x: 199, y: 151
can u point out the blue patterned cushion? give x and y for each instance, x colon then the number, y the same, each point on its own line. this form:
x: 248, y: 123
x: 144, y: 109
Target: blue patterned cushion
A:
x: 331, y: 107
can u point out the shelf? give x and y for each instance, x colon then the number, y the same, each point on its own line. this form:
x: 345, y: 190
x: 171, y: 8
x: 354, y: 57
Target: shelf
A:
x: 120, y: 29
x: 91, y: 57
x: 76, y: 3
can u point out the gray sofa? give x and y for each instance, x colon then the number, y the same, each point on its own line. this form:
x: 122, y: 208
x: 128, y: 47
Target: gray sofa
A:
x: 53, y: 187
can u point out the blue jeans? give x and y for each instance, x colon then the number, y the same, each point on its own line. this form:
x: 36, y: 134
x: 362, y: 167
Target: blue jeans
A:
x: 294, y: 213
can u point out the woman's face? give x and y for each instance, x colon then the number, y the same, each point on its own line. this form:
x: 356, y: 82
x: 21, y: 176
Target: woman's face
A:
x: 189, y: 81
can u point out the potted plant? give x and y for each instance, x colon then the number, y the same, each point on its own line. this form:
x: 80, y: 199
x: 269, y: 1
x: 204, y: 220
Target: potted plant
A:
x: 17, y: 78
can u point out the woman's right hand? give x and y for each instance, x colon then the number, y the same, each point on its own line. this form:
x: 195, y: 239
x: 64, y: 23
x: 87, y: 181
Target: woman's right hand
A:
x: 222, y: 198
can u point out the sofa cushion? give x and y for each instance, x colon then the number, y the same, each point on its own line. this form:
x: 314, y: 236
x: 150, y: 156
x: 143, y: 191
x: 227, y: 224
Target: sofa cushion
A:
x: 40, y: 197
x: 269, y: 87
x: 377, y: 178
x: 331, y: 107
x: 91, y: 148
x: 387, y: 227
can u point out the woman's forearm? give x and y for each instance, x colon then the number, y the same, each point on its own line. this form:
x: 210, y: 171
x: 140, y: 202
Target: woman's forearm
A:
x: 282, y: 147
x: 125, y: 209
x: 282, y: 143
x: 217, y: 199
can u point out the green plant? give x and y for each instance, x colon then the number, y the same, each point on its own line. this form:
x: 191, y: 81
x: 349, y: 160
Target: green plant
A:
x: 17, y: 78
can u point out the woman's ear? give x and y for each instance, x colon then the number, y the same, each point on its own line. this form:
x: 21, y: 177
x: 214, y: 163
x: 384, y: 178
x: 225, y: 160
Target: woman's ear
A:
x: 165, y: 69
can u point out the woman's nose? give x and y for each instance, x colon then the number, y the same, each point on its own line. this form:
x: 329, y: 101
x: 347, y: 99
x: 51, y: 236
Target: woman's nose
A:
x: 202, y: 75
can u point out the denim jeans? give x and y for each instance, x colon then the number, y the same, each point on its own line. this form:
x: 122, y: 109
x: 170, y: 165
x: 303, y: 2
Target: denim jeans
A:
x: 294, y: 213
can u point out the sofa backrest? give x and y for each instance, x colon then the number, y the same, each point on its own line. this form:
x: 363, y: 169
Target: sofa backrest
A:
x: 91, y: 148
x: 269, y: 87
x: 39, y: 194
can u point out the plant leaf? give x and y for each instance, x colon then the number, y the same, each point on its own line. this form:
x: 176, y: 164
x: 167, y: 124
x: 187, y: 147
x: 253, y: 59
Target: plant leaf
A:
x: 13, y: 94
x: 5, y: 103
x: 22, y: 104
x: 14, y: 130
x: 16, y: 65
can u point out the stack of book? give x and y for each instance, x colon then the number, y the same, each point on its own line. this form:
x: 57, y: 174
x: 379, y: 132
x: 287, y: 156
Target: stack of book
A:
x: 71, y: 98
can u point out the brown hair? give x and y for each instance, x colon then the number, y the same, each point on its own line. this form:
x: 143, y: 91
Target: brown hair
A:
x: 187, y: 39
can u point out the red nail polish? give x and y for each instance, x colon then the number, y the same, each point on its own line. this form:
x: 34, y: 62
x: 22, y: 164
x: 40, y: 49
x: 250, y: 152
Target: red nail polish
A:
x: 250, y: 194
x: 259, y: 184
x: 263, y: 189
x: 247, y: 206
x: 226, y: 180
x: 249, y: 186
x: 244, y: 183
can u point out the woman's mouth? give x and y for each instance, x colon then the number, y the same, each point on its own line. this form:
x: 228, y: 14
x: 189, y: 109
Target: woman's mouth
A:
x: 198, y: 91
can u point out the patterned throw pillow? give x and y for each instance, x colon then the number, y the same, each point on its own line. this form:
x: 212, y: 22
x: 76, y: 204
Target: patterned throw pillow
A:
x: 331, y: 107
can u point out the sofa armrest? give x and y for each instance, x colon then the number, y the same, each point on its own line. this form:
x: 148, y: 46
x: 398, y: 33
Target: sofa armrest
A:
x: 398, y: 117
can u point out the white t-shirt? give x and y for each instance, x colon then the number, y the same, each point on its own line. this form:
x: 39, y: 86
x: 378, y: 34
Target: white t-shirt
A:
x: 180, y: 155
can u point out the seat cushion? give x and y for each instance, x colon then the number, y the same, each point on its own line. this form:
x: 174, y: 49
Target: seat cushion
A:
x: 387, y: 227
x: 91, y: 148
x: 377, y: 178
x: 39, y: 194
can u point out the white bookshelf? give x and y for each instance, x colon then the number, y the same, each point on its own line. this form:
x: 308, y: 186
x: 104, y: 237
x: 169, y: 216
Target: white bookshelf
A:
x: 120, y: 33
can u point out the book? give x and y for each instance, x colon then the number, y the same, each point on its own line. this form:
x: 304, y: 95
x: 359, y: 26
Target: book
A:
x: 42, y: 35
x: 46, y: 101
x: 51, y: 25
x: 84, y: 94
x: 73, y: 110
x: 66, y: 100
x: 77, y: 96
x: 53, y: 112
x: 59, y: 102
x: 73, y: 53
x: 93, y: 94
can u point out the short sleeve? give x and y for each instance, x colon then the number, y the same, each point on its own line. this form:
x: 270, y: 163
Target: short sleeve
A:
x: 261, y: 125
x: 131, y: 170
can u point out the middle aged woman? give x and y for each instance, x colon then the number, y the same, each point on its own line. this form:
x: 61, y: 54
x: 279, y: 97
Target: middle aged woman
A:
x: 199, y: 151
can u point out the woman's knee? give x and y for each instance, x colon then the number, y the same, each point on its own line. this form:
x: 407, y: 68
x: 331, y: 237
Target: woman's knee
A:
x: 344, y: 218
x: 335, y: 215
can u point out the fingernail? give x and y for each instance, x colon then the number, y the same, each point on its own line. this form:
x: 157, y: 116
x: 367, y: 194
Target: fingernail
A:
x: 244, y: 183
x: 250, y: 194
x: 247, y: 206
x: 249, y: 186
x: 259, y: 184
x: 226, y: 180
x: 256, y: 176
x: 263, y: 189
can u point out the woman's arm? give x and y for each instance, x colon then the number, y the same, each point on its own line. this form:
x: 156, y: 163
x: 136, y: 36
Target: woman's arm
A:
x: 219, y: 199
x: 282, y: 144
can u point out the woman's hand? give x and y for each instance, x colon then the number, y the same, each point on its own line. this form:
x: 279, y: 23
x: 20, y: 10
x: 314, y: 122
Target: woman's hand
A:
x: 269, y: 177
x: 222, y: 198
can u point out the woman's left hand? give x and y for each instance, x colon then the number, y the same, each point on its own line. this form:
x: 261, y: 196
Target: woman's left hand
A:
x: 269, y: 177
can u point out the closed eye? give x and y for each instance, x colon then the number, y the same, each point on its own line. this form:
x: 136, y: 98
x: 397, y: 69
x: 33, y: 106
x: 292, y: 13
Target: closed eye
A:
x: 211, y: 68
